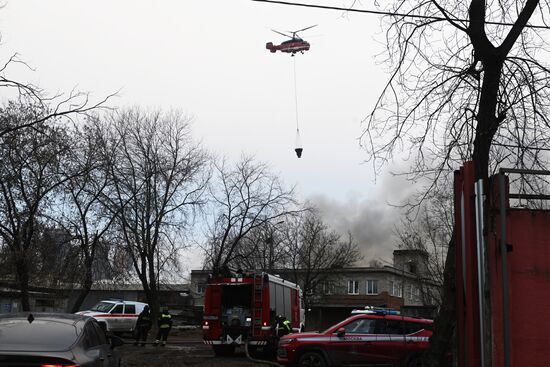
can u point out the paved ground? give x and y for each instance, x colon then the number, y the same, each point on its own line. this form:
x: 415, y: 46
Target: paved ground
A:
x: 184, y: 348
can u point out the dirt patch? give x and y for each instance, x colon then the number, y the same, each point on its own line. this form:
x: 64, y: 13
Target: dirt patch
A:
x: 184, y: 348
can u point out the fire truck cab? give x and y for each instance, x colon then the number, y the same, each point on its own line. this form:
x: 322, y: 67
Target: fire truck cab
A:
x: 242, y: 310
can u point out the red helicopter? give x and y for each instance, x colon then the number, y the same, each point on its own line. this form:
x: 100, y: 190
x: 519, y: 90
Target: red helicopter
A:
x: 293, y: 45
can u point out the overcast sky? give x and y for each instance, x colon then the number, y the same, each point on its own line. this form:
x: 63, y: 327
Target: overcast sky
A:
x: 208, y: 58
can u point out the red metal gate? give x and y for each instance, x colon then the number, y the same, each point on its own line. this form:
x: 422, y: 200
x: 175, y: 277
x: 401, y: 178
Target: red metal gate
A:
x: 467, y: 289
x: 518, y: 240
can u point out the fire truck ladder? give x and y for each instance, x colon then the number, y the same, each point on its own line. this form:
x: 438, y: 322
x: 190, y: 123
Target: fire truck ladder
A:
x: 257, y: 299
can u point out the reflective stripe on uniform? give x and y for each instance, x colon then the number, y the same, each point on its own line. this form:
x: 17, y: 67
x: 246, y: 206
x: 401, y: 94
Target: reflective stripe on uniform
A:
x: 165, y: 321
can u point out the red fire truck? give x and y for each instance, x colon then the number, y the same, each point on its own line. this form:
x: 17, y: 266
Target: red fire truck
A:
x: 242, y: 310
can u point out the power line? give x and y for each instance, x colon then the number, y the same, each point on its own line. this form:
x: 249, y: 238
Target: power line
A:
x: 404, y: 15
x: 521, y: 147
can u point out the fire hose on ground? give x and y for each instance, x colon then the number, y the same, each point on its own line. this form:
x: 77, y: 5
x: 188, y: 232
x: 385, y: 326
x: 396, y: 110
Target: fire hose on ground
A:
x: 270, y: 363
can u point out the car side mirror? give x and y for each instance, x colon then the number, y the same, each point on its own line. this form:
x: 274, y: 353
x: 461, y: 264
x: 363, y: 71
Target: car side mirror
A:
x: 341, y: 332
x: 116, y: 341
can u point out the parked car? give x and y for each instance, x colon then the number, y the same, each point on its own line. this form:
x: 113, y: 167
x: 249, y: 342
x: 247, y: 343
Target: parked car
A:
x: 365, y: 338
x: 116, y: 315
x: 41, y: 339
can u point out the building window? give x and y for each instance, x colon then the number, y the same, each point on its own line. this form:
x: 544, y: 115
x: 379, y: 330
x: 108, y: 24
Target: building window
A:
x: 395, y: 289
x: 415, y: 293
x: 328, y: 288
x: 201, y: 288
x: 412, y: 267
x: 353, y: 287
x: 372, y: 286
x: 412, y: 292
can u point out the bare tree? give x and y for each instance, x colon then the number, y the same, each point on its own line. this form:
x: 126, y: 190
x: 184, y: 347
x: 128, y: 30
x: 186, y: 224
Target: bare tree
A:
x: 313, y: 249
x: 31, y: 171
x: 263, y: 248
x: 468, y: 81
x: 462, y: 79
x: 158, y: 176
x: 56, y: 106
x: 247, y: 198
x: 81, y: 212
x: 55, y: 256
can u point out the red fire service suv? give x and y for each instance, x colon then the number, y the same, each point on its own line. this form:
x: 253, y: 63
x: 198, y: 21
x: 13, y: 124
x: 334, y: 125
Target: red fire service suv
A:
x: 371, y: 337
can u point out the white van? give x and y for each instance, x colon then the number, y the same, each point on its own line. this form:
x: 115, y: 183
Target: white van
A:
x: 116, y: 315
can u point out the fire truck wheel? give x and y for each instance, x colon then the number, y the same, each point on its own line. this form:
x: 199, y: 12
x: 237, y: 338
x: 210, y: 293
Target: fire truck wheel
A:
x: 253, y: 351
x: 223, y: 350
x: 312, y: 359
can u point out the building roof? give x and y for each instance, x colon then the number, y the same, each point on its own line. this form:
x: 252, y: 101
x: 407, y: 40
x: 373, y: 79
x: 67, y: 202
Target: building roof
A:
x: 411, y: 252
x: 12, y: 287
x: 341, y: 271
x: 114, y: 286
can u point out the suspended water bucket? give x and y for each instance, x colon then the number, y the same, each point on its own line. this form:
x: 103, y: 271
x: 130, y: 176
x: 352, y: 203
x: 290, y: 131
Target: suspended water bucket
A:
x: 298, y: 144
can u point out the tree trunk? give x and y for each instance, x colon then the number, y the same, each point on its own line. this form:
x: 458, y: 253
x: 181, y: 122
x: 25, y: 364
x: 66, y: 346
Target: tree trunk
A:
x: 23, y: 279
x: 487, y: 119
x: 148, y: 281
x: 86, y: 287
x: 154, y: 305
x: 444, y: 324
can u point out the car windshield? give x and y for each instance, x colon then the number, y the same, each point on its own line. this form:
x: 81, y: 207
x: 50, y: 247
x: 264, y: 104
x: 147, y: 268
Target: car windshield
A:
x: 103, y: 307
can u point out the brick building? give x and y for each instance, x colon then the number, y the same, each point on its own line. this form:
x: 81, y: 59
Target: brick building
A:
x: 403, y: 286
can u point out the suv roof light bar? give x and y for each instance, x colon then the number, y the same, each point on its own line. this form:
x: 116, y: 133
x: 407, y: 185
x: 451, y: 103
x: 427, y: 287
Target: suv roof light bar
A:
x: 376, y: 311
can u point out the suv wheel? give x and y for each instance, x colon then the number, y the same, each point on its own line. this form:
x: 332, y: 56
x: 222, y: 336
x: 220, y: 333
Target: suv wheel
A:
x: 414, y: 362
x: 312, y: 359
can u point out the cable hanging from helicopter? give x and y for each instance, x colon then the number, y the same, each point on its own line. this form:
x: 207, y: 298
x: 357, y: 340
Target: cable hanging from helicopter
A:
x: 298, y: 148
x: 293, y: 45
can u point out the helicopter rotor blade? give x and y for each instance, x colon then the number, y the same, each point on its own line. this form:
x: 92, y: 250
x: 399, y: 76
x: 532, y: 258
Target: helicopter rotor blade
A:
x: 301, y: 30
x: 281, y: 33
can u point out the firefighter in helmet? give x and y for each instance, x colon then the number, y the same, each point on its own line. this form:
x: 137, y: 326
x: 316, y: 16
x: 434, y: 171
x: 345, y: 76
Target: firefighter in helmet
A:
x: 164, y: 324
x: 283, y: 326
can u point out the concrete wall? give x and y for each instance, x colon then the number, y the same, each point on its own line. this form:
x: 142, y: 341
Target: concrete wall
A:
x: 9, y: 302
